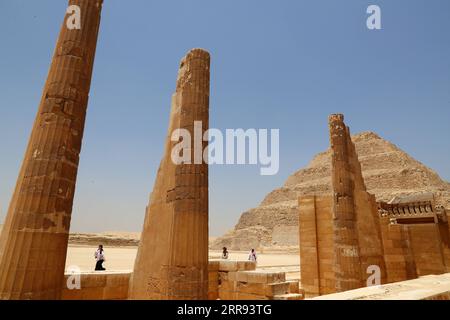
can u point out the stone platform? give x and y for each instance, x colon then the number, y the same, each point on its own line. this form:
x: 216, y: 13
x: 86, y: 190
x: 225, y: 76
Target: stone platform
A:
x: 239, y: 280
x: 227, y: 280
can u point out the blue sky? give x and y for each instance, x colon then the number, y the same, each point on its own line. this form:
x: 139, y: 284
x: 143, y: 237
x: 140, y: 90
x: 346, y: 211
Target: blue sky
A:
x: 275, y: 64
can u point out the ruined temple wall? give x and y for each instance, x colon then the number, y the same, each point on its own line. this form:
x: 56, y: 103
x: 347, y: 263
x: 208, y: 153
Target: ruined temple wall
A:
x: 413, y: 250
x: 239, y: 280
x: 357, y: 234
x: 446, y: 250
x: 427, y: 249
x: 227, y: 280
x: 446, y: 242
x: 342, y: 235
x: 316, y: 245
x: 398, y: 255
x: 112, y: 286
x: 369, y: 234
x: 98, y: 286
x: 367, y: 218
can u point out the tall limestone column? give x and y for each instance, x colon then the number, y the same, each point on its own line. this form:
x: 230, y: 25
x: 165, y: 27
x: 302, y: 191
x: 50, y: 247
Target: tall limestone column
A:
x: 34, y: 240
x: 347, y: 253
x: 172, y: 260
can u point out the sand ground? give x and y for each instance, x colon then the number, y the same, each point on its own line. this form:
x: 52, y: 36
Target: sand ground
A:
x: 122, y: 259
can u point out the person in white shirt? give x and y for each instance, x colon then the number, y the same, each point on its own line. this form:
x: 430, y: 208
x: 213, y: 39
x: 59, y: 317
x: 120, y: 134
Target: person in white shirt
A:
x: 100, y: 258
x: 252, y: 255
x: 225, y: 253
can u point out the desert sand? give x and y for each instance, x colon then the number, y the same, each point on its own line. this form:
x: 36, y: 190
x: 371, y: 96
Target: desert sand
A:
x: 122, y: 259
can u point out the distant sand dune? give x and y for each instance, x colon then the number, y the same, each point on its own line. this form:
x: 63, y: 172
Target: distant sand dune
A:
x: 122, y: 259
x: 109, y: 238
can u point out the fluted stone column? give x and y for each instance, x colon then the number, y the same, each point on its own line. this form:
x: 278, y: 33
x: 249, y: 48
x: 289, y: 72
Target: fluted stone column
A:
x: 172, y: 260
x: 347, y: 255
x: 33, y: 243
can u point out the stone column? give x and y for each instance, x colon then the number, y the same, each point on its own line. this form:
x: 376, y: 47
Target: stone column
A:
x: 172, y: 259
x: 347, y: 255
x: 33, y: 243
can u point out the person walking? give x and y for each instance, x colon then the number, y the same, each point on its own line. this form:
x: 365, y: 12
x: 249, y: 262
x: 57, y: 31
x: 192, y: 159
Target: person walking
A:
x: 100, y: 258
x: 252, y: 255
x: 225, y: 253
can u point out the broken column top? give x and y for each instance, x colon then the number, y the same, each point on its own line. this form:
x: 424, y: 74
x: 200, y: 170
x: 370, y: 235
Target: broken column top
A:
x: 96, y: 2
x: 336, y: 117
x: 197, y: 53
x: 196, y: 62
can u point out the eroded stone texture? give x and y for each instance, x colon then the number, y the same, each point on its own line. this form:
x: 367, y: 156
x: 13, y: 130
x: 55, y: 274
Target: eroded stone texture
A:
x: 172, y: 260
x: 345, y: 233
x: 347, y: 257
x: 316, y: 245
x: 357, y: 233
x: 33, y: 243
x: 416, y: 237
x: 340, y: 234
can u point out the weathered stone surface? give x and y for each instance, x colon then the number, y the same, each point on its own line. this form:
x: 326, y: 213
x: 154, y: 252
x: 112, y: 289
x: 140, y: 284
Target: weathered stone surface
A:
x: 388, y: 172
x: 357, y: 234
x: 98, y: 286
x: 172, y: 260
x: 346, y: 247
x: 33, y: 243
x: 316, y: 245
x: 340, y: 235
x: 425, y: 288
x: 344, y: 235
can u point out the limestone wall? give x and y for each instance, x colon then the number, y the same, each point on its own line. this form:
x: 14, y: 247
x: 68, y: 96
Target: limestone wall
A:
x: 239, y: 280
x: 414, y: 250
x: 99, y: 286
x: 227, y: 280
x: 357, y: 235
x: 398, y: 255
x: 410, y: 251
x: 342, y: 235
x: 316, y: 245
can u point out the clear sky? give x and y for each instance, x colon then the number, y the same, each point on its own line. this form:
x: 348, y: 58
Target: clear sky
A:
x: 275, y: 64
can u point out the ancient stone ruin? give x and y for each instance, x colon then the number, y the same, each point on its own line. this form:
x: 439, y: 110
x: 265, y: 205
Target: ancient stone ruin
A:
x: 388, y: 172
x: 172, y: 260
x: 345, y: 234
x: 38, y: 220
x: 227, y: 280
x: 357, y: 243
